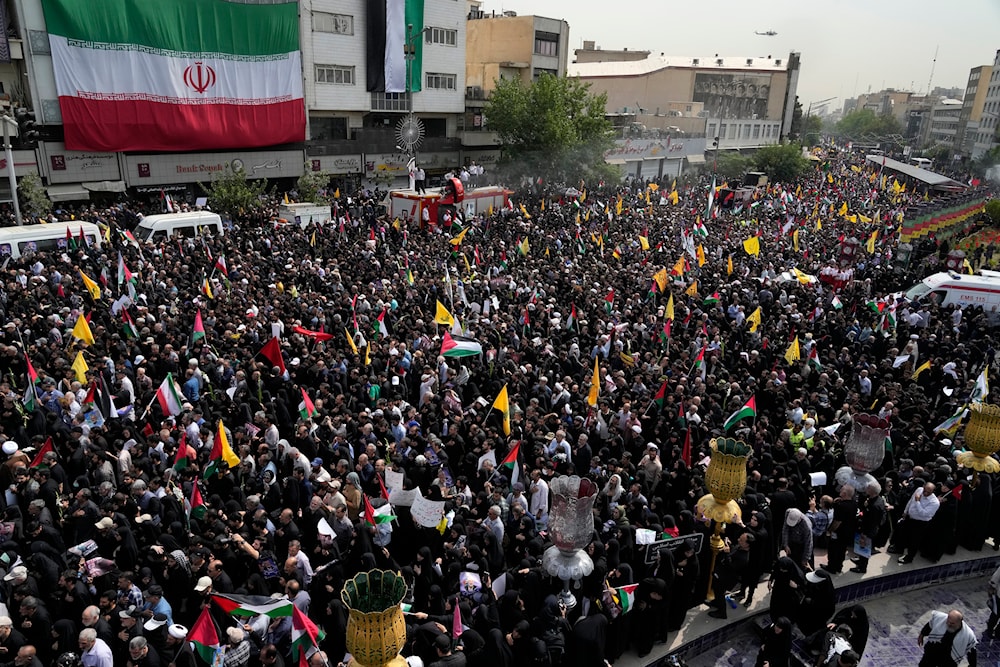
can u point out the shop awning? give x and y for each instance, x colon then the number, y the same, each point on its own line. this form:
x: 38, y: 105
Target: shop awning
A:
x: 68, y: 192
x: 104, y: 186
x: 696, y: 159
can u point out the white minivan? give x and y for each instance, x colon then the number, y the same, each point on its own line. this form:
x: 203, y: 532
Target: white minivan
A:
x: 305, y: 213
x: 156, y: 228
x: 18, y: 241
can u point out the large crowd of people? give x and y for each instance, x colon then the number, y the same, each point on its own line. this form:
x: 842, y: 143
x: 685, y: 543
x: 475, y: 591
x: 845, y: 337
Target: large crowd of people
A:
x: 116, y: 537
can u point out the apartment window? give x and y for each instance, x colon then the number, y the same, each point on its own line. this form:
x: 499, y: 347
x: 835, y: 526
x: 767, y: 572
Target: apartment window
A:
x: 339, y: 74
x: 546, y: 43
x: 756, y: 131
x: 722, y: 130
x: 711, y: 130
x: 442, y: 81
x: 441, y: 36
x: 338, y: 24
x: 541, y: 71
x: 390, y: 101
x: 323, y: 128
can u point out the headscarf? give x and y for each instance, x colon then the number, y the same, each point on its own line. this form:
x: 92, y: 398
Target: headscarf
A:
x: 182, y: 560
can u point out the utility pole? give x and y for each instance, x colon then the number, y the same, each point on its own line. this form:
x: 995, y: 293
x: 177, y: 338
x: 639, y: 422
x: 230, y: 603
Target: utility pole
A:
x: 9, y: 122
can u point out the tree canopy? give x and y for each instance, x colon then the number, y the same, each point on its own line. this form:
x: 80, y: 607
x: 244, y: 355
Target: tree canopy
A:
x: 552, y: 126
x: 781, y: 162
x: 232, y: 192
x: 865, y: 123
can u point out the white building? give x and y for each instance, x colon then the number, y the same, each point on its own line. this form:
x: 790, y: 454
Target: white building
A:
x: 987, y: 131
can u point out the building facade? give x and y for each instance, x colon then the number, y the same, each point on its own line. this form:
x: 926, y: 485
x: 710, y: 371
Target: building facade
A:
x: 987, y: 130
x: 941, y: 124
x: 745, y: 102
x: 972, y: 108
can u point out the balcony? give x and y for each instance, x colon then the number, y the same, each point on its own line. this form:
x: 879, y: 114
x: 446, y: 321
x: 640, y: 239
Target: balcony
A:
x: 397, y: 102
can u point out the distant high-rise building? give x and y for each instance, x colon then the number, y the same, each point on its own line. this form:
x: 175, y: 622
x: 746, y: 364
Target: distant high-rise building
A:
x: 972, y: 108
x: 987, y: 130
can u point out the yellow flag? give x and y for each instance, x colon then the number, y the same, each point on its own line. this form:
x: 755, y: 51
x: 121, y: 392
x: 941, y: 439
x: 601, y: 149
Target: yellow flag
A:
x: 754, y: 320
x: 679, y: 266
x: 543, y: 205
x: 618, y: 206
x: 968, y: 267
x: 692, y: 290
x: 525, y: 213
x: 587, y: 216
x: 81, y: 330
x: 546, y: 253
x: 286, y: 199
x: 843, y: 210
x: 870, y: 246
x: 792, y: 354
x: 595, y: 383
x: 80, y: 367
x: 92, y: 287
x: 752, y: 246
x: 802, y: 277
x: 798, y: 191
x: 523, y: 248
x: 350, y: 341
x: 461, y: 237
x: 227, y: 453
x: 923, y: 367
x: 729, y: 266
x: 863, y: 219
x: 829, y: 178
x: 654, y: 187
x: 819, y: 224
x: 644, y: 243
x: 468, y: 268
x: 502, y: 404
x: 336, y: 193
x: 489, y: 211
x: 442, y: 316
x: 647, y: 197
x: 674, y: 197
x: 368, y: 355
x: 661, y: 279
x: 312, y: 241
x: 669, y: 313
x: 701, y: 256
x: 795, y: 240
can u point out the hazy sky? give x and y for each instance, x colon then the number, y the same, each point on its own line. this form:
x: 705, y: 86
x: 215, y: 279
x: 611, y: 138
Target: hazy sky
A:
x: 847, y: 46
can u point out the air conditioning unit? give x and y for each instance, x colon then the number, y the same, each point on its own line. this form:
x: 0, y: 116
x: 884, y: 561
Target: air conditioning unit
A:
x: 719, y: 61
x: 695, y: 61
x: 778, y: 62
x: 749, y: 62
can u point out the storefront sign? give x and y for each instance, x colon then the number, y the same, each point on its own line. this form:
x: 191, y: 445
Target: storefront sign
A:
x: 201, y: 167
x: 439, y: 161
x: 386, y: 164
x: 65, y: 166
x: 337, y: 164
x: 487, y: 158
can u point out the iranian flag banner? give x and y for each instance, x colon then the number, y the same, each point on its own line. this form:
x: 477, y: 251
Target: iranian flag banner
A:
x: 176, y: 75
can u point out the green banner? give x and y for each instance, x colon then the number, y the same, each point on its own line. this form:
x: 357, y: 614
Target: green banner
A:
x: 415, y: 26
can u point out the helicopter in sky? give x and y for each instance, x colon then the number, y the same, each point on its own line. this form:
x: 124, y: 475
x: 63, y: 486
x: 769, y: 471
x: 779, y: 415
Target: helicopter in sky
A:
x: 766, y: 33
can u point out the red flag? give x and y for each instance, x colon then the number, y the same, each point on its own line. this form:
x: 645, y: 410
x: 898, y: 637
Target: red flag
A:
x: 369, y: 510
x: 46, y: 448
x: 319, y: 336
x: 381, y: 485
x: 272, y: 352
x: 32, y: 373
x: 61, y: 292
x: 147, y: 430
x: 686, y: 452
x: 456, y: 621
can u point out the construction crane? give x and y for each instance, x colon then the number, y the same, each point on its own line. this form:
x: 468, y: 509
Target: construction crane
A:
x: 818, y: 104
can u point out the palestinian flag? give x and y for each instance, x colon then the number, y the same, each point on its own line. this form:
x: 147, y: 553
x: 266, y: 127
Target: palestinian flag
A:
x: 374, y: 516
x: 814, y: 357
x: 661, y: 395
x: 32, y: 373
x: 609, y: 301
x: 177, y: 75
x: 253, y: 605
x: 203, y: 636
x: 459, y: 346
x: 512, y: 463
x: 128, y: 325
x: 749, y: 409
x: 837, y: 303
x: 626, y: 597
x: 221, y: 451
x: 196, y: 504
x: 170, y: 397
x: 181, y: 457
x: 306, y: 407
x: 712, y: 300
x: 40, y: 456
x: 571, y: 320
x: 124, y: 275
x: 380, y: 328
x: 305, y: 635
x: 199, y: 328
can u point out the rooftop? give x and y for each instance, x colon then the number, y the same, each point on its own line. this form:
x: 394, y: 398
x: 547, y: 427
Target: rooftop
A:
x: 657, y: 62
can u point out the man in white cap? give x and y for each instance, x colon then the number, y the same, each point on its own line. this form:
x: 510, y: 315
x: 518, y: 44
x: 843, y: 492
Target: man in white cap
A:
x: 15, y: 459
x: 178, y: 650
x: 797, y: 538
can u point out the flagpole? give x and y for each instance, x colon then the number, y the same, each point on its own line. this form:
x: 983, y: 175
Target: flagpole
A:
x: 34, y: 389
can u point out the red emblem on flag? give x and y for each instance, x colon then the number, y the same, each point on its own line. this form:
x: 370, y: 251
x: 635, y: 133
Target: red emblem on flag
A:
x: 199, y: 76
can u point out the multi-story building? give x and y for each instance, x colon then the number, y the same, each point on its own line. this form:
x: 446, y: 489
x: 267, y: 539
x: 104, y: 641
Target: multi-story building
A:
x: 987, y: 130
x: 745, y: 102
x: 504, y: 46
x: 350, y: 131
x: 940, y: 125
x: 972, y: 108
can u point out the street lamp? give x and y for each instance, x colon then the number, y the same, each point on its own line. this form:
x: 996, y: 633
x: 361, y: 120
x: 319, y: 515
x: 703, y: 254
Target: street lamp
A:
x: 8, y: 123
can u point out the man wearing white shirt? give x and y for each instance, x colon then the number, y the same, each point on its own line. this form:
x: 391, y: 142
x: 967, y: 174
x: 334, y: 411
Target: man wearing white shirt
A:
x: 920, y: 509
x: 539, y: 503
x: 94, y: 652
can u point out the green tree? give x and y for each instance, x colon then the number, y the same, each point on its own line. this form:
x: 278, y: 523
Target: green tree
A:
x: 34, y: 200
x: 993, y: 211
x: 733, y: 165
x: 795, y: 129
x: 781, y: 162
x: 984, y: 162
x: 865, y: 123
x: 552, y: 126
x: 312, y: 186
x: 233, y: 193
x: 812, y: 130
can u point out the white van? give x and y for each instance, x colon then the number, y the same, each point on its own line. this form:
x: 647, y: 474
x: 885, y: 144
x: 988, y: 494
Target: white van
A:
x: 304, y: 213
x: 18, y: 241
x: 950, y: 288
x: 156, y: 228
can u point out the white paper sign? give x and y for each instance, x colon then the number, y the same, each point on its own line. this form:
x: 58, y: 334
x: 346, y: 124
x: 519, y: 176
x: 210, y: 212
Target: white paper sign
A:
x: 323, y: 527
x: 900, y: 360
x: 427, y: 513
x: 490, y: 456
x: 645, y: 536
x: 403, y: 498
x: 817, y: 478
x: 393, y: 480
